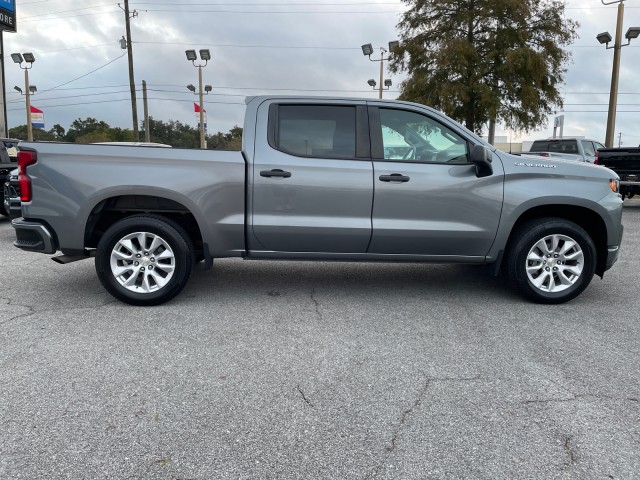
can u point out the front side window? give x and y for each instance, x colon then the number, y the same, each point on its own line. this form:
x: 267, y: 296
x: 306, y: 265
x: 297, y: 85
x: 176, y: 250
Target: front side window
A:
x: 317, y: 130
x: 412, y: 137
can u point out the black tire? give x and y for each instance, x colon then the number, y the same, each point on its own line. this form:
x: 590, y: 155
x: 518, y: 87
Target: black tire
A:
x: 177, y: 270
x: 523, y: 242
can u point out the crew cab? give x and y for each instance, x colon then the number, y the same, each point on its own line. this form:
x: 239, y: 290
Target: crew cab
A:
x: 321, y: 179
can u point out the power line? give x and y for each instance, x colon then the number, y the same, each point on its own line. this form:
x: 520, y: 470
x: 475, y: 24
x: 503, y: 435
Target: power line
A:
x: 290, y: 4
x: 19, y: 100
x: 121, y: 100
x: 67, y: 11
x: 76, y: 48
x: 69, y: 16
x: 251, y: 46
x: 86, y: 74
x: 599, y: 111
x: 314, y: 12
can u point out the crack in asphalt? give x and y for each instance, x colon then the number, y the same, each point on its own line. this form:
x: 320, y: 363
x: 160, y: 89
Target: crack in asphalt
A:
x: 33, y: 310
x: 579, y: 397
x: 304, y: 397
x: 407, y: 412
x: 570, y: 451
x: 317, y: 304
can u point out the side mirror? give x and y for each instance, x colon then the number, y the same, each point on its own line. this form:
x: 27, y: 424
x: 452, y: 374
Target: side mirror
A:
x: 481, y: 157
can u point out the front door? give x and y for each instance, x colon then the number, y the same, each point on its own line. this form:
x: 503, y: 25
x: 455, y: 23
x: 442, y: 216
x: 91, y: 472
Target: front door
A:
x: 428, y: 199
x: 312, y: 184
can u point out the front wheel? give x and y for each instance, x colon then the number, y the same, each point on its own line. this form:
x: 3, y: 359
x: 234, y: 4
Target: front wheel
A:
x: 551, y: 260
x: 144, y: 259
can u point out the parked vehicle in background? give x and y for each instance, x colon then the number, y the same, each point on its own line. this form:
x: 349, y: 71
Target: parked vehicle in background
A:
x: 11, y: 144
x: 626, y: 163
x: 320, y: 179
x: 578, y: 149
x: 11, y: 191
x: 7, y: 164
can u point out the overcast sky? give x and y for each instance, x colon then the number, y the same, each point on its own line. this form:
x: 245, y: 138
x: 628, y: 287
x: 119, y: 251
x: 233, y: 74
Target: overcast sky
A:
x: 263, y: 47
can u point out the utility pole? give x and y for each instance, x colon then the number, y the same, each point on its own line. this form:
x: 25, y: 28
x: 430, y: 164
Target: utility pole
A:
x: 605, y: 38
x: 132, y: 82
x: 619, y: 139
x: 147, y: 133
x: 491, y: 136
x: 28, y: 97
x: 613, y: 93
x: 382, y: 50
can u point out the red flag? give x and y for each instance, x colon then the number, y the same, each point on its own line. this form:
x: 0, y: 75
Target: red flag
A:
x: 196, y: 108
x: 35, y: 110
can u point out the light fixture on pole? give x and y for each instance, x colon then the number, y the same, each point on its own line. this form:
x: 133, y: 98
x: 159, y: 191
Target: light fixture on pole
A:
x: 372, y: 83
x: 605, y: 38
x: 367, y: 51
x: 192, y: 56
x: 26, y: 58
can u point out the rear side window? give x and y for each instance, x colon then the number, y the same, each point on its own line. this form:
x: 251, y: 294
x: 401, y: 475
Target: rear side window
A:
x: 588, y: 148
x: 316, y: 130
x: 558, y: 146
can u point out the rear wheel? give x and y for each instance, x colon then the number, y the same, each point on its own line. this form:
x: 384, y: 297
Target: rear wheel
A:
x: 551, y: 260
x: 144, y: 259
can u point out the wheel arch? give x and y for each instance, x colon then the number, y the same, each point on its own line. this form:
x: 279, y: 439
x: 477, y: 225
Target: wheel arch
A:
x: 586, y: 218
x: 106, y: 211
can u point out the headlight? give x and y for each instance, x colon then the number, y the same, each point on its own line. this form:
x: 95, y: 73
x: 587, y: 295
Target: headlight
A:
x: 614, y: 184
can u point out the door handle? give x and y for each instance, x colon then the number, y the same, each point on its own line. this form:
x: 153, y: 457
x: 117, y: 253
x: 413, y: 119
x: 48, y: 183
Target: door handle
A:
x: 276, y: 172
x: 394, y: 177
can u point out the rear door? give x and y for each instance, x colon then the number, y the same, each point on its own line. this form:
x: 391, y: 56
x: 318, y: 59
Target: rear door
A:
x: 312, y: 178
x: 428, y: 199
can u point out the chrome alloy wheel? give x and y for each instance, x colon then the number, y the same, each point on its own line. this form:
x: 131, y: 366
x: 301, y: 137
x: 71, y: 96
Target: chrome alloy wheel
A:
x: 554, y: 263
x: 142, y: 262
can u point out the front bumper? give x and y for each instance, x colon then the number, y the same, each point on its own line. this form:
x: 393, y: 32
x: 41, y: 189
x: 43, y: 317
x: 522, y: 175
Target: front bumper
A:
x: 33, y: 236
x: 613, y: 251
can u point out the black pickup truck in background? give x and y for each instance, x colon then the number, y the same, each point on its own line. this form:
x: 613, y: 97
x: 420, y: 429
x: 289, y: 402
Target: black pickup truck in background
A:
x: 626, y: 163
x: 7, y: 164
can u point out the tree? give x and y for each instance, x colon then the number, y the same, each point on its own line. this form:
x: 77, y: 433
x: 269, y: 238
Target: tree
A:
x: 482, y: 60
x: 57, y: 131
x: 20, y: 132
x: 80, y: 128
x: 226, y: 141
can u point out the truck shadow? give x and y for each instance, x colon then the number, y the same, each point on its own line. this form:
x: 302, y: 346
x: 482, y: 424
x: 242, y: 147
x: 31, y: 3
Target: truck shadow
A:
x: 233, y: 278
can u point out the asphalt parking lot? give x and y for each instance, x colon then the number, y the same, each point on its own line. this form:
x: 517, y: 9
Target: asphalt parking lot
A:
x: 303, y: 370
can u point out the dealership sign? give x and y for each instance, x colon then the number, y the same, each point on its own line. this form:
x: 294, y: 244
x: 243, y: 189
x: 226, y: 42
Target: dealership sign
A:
x: 8, y: 15
x: 37, y: 118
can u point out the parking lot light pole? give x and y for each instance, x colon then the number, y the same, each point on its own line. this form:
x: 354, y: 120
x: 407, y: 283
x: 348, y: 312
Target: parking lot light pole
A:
x: 28, y: 60
x: 605, y: 38
x: 367, y: 50
x: 192, y: 56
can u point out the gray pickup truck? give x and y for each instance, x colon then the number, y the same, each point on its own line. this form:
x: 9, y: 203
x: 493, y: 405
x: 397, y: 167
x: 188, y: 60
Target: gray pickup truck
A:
x: 321, y: 179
